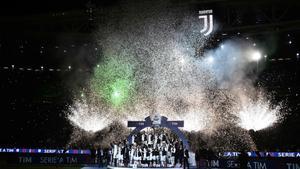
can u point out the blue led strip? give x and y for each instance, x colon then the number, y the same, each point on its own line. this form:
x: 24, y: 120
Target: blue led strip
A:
x: 44, y: 151
x: 263, y: 154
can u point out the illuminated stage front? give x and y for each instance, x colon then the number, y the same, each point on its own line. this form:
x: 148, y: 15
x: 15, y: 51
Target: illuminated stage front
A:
x: 158, y: 121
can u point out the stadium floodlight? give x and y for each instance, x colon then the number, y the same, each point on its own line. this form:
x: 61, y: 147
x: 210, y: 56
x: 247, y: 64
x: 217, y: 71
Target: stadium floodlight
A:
x: 210, y: 60
x: 256, y: 56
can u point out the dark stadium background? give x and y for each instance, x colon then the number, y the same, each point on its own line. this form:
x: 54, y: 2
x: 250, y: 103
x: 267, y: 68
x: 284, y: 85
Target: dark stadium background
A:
x: 52, y: 34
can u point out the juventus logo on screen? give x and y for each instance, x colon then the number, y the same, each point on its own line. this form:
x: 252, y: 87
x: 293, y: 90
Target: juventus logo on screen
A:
x: 207, y: 17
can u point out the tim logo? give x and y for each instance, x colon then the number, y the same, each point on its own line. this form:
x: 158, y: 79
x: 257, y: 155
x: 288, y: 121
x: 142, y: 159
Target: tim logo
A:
x: 207, y: 17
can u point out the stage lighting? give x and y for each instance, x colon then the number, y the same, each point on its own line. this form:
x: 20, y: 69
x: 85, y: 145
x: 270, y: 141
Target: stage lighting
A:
x: 69, y: 67
x: 256, y: 56
x: 297, y: 54
x: 222, y: 46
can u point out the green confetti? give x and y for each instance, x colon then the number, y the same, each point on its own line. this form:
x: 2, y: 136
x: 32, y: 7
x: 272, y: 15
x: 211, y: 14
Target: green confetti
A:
x: 113, y: 81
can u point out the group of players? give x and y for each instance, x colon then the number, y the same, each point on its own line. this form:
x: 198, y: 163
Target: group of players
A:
x: 154, y: 148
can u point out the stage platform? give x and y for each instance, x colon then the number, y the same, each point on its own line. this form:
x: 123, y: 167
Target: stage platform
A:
x: 108, y: 167
x: 111, y: 167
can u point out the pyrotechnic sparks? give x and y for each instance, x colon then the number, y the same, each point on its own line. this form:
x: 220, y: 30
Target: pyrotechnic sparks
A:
x: 258, y: 115
x: 86, y: 117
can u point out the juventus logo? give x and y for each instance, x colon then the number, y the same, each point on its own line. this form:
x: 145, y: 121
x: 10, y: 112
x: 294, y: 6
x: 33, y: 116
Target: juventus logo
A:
x: 207, y: 17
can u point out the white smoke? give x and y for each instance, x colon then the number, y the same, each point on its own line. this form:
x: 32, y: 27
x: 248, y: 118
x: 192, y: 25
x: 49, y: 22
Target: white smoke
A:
x: 234, y: 69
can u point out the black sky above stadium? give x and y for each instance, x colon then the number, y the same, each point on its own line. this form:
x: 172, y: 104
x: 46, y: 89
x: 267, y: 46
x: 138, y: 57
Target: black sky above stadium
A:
x: 12, y: 8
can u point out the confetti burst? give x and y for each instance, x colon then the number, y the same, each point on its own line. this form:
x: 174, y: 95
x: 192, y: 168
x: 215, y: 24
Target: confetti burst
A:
x: 151, y: 65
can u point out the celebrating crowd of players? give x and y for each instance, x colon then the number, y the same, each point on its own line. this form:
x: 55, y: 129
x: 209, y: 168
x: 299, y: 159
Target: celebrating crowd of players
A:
x: 154, y: 148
